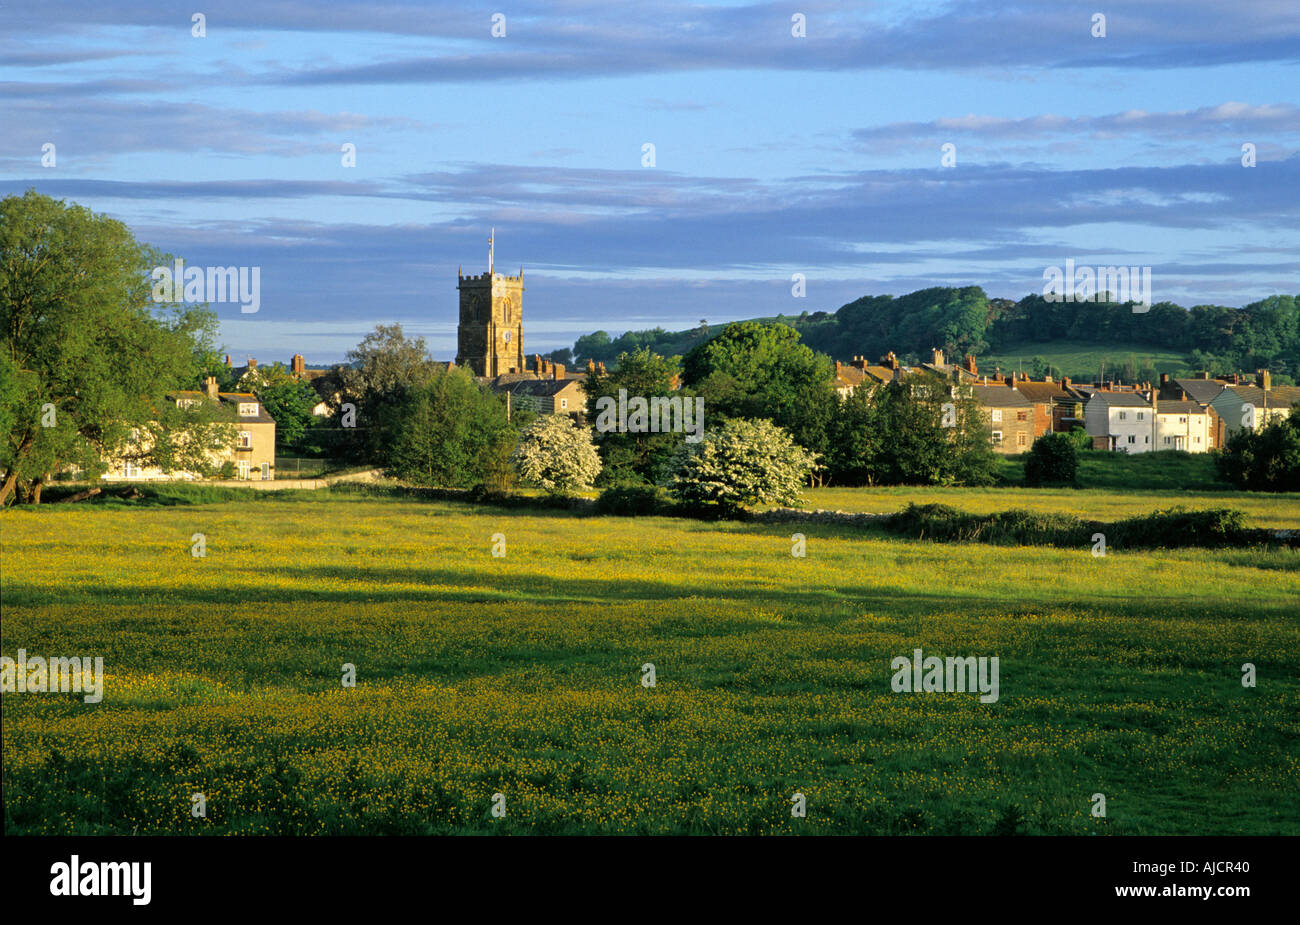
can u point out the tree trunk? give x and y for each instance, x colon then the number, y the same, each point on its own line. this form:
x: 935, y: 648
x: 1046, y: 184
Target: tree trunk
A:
x: 7, y: 489
x: 37, y: 486
x: 82, y: 495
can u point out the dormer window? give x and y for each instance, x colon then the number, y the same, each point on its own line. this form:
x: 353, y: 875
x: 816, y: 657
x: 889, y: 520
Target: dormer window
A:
x: 248, y: 409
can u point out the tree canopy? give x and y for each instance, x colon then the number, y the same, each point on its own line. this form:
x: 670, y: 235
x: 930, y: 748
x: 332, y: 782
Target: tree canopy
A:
x: 86, y: 356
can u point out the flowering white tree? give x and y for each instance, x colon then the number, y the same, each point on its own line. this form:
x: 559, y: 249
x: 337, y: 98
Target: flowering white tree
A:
x: 741, y: 463
x: 557, y: 454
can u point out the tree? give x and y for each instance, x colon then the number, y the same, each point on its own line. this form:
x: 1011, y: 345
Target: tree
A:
x: 88, y: 356
x: 1267, y: 459
x: 557, y: 454
x: 594, y: 346
x: 756, y: 370
x: 379, y: 372
x: 446, y: 432
x: 290, y: 402
x: 634, y: 457
x: 1052, y: 458
x: 919, y: 431
x: 740, y: 463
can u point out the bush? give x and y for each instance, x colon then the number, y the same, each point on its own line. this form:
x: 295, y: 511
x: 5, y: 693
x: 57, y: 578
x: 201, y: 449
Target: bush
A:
x: 1181, y: 527
x: 557, y: 455
x: 741, y: 463
x: 1264, y: 460
x: 1173, y: 528
x: 631, y: 500
x: 1053, y: 459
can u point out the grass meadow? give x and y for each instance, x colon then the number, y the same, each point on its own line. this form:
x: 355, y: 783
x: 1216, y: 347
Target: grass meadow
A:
x: 521, y: 674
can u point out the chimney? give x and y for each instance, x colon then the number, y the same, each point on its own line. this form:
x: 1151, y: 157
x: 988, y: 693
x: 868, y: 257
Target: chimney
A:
x: 970, y: 365
x: 997, y: 374
x: 601, y: 367
x: 298, y: 366
x: 210, y: 387
x: 1065, y: 382
x: 591, y: 367
x: 891, y: 361
x: 1263, y: 379
x: 860, y: 363
x: 537, y: 363
x: 1182, y: 396
x: 227, y: 361
x: 252, y: 364
x: 1233, y: 380
x: 557, y: 370
x: 937, y: 356
x: 1203, y: 375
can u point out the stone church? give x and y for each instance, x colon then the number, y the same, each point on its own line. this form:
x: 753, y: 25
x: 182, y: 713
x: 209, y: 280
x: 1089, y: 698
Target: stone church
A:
x: 490, y: 337
x: 490, y: 343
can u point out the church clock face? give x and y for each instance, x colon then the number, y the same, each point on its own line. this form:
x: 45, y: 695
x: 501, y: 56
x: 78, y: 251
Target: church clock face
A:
x: 505, y: 336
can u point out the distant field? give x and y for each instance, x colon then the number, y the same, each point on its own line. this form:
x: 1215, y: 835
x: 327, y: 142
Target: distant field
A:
x: 521, y: 675
x: 1083, y: 361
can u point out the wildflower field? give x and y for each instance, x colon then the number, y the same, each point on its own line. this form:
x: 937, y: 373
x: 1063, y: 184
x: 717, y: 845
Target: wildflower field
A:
x: 522, y: 675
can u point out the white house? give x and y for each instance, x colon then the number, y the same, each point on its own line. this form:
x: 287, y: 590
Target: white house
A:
x: 1120, y: 421
x: 1183, y: 425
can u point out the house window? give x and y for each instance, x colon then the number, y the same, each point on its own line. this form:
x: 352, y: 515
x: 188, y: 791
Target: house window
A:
x: 997, y: 415
x: 132, y: 470
x: 1141, y: 415
x: 244, y: 469
x: 1020, y: 439
x: 248, y: 409
x: 1182, y: 420
x: 1022, y: 415
x: 1166, y: 439
x: 997, y: 438
x: 1123, y: 415
x: 245, y: 440
x: 1198, y: 439
x: 1132, y: 438
x: 564, y: 403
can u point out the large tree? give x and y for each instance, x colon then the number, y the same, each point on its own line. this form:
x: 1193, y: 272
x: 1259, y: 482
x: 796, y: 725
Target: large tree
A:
x: 922, y: 430
x: 447, y: 432
x: 757, y: 370
x: 88, y: 357
x: 633, y: 457
x: 379, y: 373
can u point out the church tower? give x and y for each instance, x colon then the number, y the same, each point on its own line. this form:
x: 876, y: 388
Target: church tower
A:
x: 490, y: 338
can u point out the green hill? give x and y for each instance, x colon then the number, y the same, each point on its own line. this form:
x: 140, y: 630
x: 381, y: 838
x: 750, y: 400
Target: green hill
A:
x: 1084, y: 361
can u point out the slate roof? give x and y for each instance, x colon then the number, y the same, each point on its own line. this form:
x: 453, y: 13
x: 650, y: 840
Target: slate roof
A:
x: 1120, y: 399
x: 999, y: 396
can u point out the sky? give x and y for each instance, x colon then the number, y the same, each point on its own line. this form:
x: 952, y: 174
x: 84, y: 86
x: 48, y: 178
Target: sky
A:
x: 774, y: 153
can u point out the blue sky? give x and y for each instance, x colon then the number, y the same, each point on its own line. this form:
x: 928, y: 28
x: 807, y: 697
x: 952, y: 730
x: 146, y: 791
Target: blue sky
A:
x: 774, y: 155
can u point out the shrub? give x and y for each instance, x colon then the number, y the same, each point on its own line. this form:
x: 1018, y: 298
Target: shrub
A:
x: 1054, y: 458
x: 1181, y: 527
x: 631, y: 500
x: 557, y: 455
x: 1264, y: 460
x: 741, y: 463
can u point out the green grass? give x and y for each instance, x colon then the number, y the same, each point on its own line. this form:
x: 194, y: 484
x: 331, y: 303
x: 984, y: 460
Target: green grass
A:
x: 1083, y: 361
x: 521, y: 675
